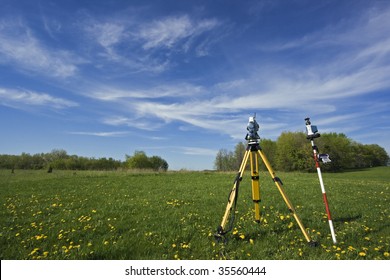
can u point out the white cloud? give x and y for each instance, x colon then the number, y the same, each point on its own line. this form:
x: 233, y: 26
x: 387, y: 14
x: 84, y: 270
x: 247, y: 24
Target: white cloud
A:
x: 167, y: 32
x: 18, y: 97
x: 100, y: 134
x: 198, y: 151
x: 19, y: 47
x: 133, y: 121
x: 315, y: 86
x: 108, y: 34
x: 131, y: 42
x: 106, y: 93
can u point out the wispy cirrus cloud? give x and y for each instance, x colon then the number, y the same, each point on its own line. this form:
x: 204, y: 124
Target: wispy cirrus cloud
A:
x: 168, y: 32
x: 106, y: 34
x: 317, y: 86
x: 20, y: 97
x: 21, y: 49
x: 100, y: 134
x: 177, y: 91
x: 198, y: 151
x: 146, y: 46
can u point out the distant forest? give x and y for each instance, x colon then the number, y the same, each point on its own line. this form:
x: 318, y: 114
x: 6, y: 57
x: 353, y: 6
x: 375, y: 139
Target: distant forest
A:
x: 59, y: 159
x: 293, y: 152
x: 290, y: 152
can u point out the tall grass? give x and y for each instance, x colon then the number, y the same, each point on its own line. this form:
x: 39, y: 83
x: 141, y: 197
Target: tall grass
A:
x: 173, y: 215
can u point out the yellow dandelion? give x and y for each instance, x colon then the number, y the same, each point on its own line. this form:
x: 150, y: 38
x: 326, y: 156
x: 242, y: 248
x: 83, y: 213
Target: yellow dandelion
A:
x: 94, y: 211
x: 362, y: 254
x: 367, y: 238
x: 290, y: 225
x: 281, y: 217
x: 386, y: 254
x: 242, y: 236
x: 17, y: 234
x: 251, y: 241
x: 106, y: 242
x: 34, y: 251
x: 173, y: 245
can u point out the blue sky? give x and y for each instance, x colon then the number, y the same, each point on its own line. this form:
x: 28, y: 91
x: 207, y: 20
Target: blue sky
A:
x: 179, y: 79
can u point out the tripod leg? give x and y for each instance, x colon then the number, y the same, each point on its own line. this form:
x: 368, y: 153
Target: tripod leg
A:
x: 232, y: 200
x: 278, y: 183
x: 255, y: 184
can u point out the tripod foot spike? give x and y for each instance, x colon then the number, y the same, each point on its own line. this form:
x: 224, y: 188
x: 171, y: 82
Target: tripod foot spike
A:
x: 220, y: 235
x: 313, y: 243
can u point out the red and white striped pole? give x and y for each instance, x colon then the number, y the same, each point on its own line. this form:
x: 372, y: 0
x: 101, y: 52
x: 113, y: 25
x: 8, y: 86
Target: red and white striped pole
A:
x: 312, y: 133
x: 316, y: 156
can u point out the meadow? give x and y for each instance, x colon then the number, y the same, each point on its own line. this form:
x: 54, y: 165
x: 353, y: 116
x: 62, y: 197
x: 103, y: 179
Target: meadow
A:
x: 174, y: 215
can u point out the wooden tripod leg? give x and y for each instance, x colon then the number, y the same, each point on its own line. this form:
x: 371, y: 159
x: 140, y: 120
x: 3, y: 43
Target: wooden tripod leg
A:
x: 278, y: 184
x: 232, y: 198
x: 255, y: 184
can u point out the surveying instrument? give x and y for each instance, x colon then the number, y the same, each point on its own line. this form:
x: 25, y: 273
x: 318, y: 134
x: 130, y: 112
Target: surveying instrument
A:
x: 312, y: 133
x: 252, y: 153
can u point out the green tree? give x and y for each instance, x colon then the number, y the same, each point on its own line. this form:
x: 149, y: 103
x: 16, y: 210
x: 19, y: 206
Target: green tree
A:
x: 141, y: 161
x: 377, y: 155
x: 339, y: 148
x: 158, y: 164
x: 293, y: 152
x: 224, y: 160
x: 238, y: 156
x: 269, y: 148
x: 138, y: 161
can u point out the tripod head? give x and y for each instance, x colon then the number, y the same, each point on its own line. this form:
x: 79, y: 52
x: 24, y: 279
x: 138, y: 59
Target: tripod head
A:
x: 311, y: 130
x: 252, y: 136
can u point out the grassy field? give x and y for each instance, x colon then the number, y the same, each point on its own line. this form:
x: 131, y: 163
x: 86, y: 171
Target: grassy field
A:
x: 173, y: 215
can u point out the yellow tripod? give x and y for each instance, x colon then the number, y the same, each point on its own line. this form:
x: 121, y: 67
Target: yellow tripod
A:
x: 252, y: 152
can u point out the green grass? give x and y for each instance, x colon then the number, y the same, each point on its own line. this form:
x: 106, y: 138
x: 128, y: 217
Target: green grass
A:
x: 119, y: 215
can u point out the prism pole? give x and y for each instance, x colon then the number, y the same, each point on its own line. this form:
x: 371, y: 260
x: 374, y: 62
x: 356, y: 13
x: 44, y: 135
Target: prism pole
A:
x: 313, y: 133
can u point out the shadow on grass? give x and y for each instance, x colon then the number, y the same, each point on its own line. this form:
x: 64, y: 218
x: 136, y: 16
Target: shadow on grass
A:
x: 348, y: 219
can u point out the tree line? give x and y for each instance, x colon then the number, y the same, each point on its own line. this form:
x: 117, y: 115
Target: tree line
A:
x: 59, y: 159
x: 293, y: 152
